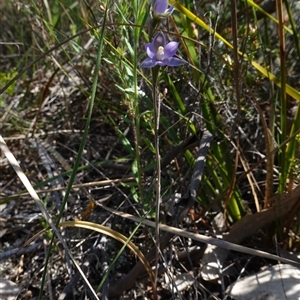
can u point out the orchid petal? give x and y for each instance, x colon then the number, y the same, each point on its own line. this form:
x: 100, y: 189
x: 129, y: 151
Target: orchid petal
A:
x: 160, y: 6
x: 170, y: 9
x: 150, y: 50
x: 174, y: 62
x: 161, y: 10
x: 171, y: 49
x: 162, y: 63
x: 148, y: 63
x: 159, y: 41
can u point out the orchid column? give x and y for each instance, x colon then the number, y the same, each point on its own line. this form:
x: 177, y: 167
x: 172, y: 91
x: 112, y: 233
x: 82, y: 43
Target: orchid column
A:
x: 160, y: 54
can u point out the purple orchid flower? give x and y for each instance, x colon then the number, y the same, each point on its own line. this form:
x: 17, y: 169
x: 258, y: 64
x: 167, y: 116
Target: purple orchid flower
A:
x: 161, y: 10
x: 160, y: 53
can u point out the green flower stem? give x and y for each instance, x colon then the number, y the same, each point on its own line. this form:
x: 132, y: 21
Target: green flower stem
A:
x: 153, y: 25
x: 136, y: 119
x: 156, y: 110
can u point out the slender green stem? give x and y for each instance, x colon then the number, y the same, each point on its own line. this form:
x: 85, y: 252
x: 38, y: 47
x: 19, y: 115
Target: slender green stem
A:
x: 141, y: 13
x: 283, y: 106
x: 156, y: 110
x: 136, y: 118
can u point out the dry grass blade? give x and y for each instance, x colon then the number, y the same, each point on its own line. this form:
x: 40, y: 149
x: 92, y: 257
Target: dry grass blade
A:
x: 121, y: 238
x: 269, y: 148
x: 251, y: 179
x: 202, y: 238
x: 38, y: 202
x: 109, y: 182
